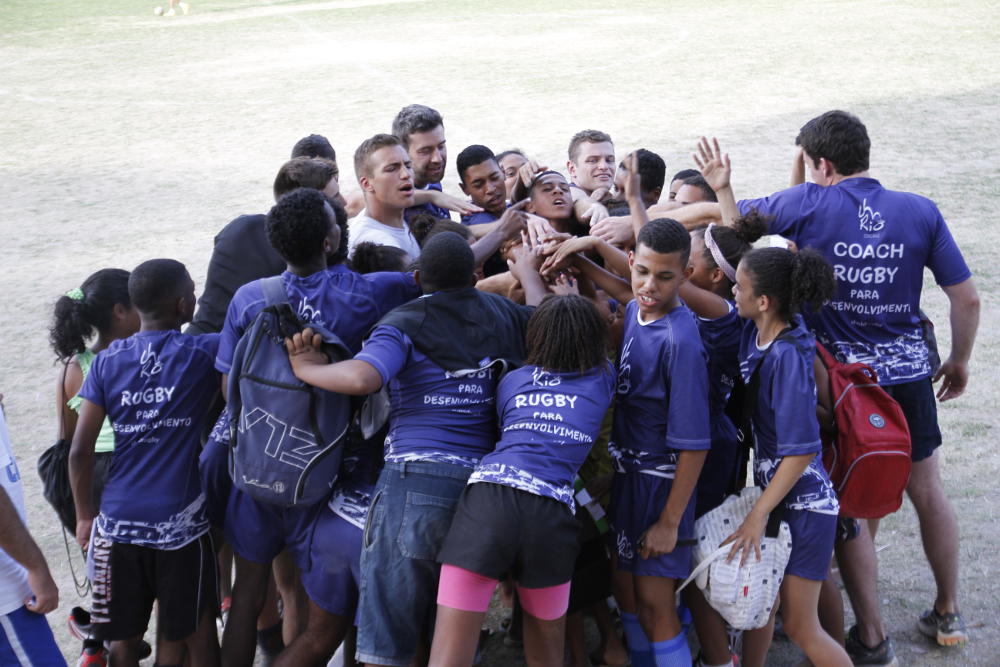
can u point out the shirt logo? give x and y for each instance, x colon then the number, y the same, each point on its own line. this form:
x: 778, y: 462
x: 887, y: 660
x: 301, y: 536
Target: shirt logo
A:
x: 541, y: 378
x: 871, y: 220
x: 876, y: 420
x: 150, y: 362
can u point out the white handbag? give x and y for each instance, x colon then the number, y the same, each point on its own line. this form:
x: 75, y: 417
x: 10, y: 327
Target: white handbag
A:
x: 744, y: 596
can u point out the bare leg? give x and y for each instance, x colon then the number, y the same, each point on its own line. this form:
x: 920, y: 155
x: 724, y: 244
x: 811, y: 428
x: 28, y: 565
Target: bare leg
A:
x: 710, y: 627
x: 612, y: 650
x: 295, y: 605
x: 576, y: 640
x: 456, y: 636
x: 831, y: 610
x: 657, y: 614
x: 125, y: 653
x: 323, y: 634
x: 938, y: 530
x: 544, y: 641
x: 756, y: 643
x: 800, y: 599
x: 239, y: 638
x: 859, y: 570
x: 203, y: 646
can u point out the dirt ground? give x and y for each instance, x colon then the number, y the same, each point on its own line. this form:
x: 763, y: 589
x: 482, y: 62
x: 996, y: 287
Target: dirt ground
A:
x: 128, y: 136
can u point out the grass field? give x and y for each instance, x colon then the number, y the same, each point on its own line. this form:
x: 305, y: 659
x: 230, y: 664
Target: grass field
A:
x: 127, y: 136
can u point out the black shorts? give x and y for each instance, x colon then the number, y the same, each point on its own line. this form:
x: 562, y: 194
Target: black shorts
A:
x: 499, y: 529
x: 920, y: 408
x: 128, y: 578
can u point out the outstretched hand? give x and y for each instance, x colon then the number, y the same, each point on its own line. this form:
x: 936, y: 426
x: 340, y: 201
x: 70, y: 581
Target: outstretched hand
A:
x: 453, y: 203
x: 562, y: 254
x: 633, y: 182
x: 514, y: 220
x: 525, y: 258
x: 713, y: 163
x: 564, y: 284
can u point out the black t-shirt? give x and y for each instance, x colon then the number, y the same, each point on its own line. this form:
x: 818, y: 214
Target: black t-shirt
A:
x: 242, y: 253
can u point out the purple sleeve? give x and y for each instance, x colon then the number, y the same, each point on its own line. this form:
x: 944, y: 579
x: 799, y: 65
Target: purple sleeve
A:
x: 793, y: 396
x: 687, y: 417
x: 946, y: 261
x: 387, y: 349
x: 785, y: 208
x: 238, y: 317
x: 92, y: 389
x: 390, y: 289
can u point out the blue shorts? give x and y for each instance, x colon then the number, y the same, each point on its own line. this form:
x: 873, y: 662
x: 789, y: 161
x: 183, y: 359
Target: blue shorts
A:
x: 258, y: 531
x: 920, y: 408
x: 409, y: 517
x: 26, y: 639
x: 637, y: 499
x: 213, y: 467
x: 334, y: 577
x: 812, y: 543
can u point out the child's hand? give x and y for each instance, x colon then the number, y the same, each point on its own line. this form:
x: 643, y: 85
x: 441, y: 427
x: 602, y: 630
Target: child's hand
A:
x: 713, y: 164
x: 561, y: 255
x: 524, y: 258
x: 564, y: 284
x: 659, y: 539
x: 746, y: 536
x: 83, y: 528
x: 304, y: 350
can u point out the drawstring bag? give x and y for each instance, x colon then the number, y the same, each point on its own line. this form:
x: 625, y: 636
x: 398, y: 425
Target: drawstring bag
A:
x: 743, y: 596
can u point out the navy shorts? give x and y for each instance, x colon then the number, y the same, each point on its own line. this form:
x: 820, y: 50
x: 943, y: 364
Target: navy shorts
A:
x: 637, y: 499
x: 259, y: 531
x: 213, y: 467
x: 409, y: 517
x: 26, y: 639
x: 920, y: 408
x: 334, y: 576
x: 812, y: 543
x: 498, y: 529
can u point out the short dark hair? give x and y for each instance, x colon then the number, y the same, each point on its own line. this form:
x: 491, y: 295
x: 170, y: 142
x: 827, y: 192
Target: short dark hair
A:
x: 446, y: 262
x: 371, y: 257
x: 298, y: 224
x: 155, y: 285
x: 315, y: 145
x: 793, y: 280
x: 362, y: 162
x: 685, y: 174
x: 566, y: 334
x: 303, y: 172
x: 442, y: 226
x: 471, y: 156
x: 413, y: 119
x: 589, y: 136
x: 652, y: 170
x: 699, y: 182
x: 665, y: 235
x: 838, y: 136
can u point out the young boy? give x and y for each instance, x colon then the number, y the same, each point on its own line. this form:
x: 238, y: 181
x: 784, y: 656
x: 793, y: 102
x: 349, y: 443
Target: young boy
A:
x: 660, y: 438
x: 481, y: 178
x: 150, y: 540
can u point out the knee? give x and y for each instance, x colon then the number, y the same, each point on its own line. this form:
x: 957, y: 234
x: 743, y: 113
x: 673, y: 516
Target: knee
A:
x: 800, y: 629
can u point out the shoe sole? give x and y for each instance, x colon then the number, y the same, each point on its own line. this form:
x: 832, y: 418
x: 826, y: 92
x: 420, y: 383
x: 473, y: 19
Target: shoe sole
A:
x: 956, y: 638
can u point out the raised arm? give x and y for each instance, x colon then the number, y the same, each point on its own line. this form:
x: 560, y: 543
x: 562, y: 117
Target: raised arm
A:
x: 714, y: 166
x: 513, y: 221
x: 705, y: 304
x: 618, y: 289
x: 524, y: 266
x: 798, y: 167
x: 444, y: 200
x: 963, y: 311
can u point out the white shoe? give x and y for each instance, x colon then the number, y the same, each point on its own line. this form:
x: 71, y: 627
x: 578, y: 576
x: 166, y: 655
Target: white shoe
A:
x: 184, y: 7
x: 171, y: 12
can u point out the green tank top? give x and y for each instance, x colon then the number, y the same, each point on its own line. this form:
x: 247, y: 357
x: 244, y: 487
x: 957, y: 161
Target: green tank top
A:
x: 106, y: 438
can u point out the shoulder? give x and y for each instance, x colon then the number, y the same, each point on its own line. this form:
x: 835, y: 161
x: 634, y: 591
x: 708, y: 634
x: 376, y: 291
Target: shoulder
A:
x: 241, y: 225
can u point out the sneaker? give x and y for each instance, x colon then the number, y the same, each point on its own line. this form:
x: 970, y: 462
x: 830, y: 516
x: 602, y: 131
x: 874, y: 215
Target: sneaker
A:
x: 94, y: 655
x: 184, y: 7
x: 171, y: 12
x: 945, y: 629
x: 79, y: 622
x: 862, y: 655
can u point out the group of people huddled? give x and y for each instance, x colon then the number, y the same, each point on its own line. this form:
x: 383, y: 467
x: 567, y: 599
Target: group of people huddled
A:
x: 558, y: 367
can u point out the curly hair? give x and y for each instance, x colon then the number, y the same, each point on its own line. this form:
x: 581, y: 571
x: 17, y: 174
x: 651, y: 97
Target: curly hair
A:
x: 793, y: 280
x: 372, y: 257
x: 298, y: 224
x: 76, y: 320
x: 734, y: 241
x: 156, y: 284
x: 566, y: 334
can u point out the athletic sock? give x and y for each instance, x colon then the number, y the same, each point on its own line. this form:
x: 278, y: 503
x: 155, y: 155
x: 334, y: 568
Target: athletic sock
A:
x: 269, y: 640
x: 638, y: 644
x: 672, y: 652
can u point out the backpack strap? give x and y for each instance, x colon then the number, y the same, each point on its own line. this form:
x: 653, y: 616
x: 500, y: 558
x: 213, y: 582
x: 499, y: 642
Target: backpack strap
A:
x: 274, y: 291
x: 720, y: 552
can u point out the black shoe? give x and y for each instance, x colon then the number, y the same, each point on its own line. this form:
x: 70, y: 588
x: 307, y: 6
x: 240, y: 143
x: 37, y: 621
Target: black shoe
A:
x: 862, y: 655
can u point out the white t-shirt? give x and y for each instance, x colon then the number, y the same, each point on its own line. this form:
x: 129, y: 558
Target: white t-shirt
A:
x: 14, y: 587
x: 363, y: 228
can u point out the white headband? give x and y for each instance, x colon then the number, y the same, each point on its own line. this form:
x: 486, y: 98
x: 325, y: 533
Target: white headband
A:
x: 720, y: 259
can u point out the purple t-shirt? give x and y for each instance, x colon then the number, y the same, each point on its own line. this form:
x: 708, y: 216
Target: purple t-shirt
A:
x: 784, y: 419
x: 346, y: 303
x: 879, y: 242
x: 434, y: 415
x: 156, y: 387
x: 662, y: 393
x: 479, y: 218
x: 549, y: 422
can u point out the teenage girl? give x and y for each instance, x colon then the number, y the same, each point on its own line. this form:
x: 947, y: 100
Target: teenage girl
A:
x: 777, y: 353
x: 516, y: 514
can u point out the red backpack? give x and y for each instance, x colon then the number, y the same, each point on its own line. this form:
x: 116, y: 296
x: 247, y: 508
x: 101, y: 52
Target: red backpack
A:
x: 868, y: 458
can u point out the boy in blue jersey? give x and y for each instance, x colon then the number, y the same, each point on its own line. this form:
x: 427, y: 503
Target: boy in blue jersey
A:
x: 150, y: 539
x: 660, y: 439
x: 438, y: 357
x: 480, y: 177
x: 879, y: 242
